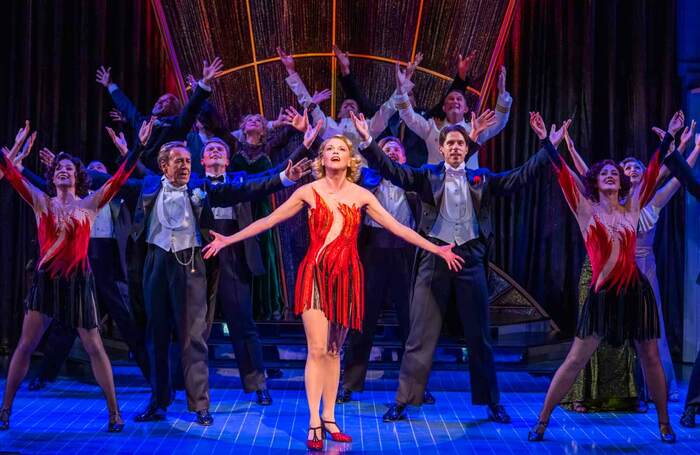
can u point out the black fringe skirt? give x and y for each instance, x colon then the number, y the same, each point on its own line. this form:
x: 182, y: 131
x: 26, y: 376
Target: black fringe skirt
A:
x: 71, y: 301
x: 616, y: 316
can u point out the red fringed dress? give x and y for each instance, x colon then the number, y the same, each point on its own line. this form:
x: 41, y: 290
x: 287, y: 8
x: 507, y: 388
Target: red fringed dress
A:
x: 620, y: 305
x: 63, y: 287
x: 330, y: 277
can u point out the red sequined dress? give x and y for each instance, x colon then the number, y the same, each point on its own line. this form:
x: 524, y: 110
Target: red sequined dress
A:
x: 330, y: 277
x: 63, y: 287
x: 620, y: 304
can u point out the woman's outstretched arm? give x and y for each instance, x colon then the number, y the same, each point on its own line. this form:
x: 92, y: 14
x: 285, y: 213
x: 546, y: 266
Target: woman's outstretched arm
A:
x: 381, y: 216
x: 291, y: 207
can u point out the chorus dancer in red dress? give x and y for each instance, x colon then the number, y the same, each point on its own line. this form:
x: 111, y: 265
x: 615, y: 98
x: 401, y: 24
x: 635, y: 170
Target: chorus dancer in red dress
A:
x: 621, y: 303
x: 63, y: 287
x: 329, y: 287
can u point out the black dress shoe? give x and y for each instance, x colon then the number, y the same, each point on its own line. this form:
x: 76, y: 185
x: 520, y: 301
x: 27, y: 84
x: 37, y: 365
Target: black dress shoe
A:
x: 497, y: 413
x: 344, y: 396
x: 151, y: 414
x: 116, y: 424
x: 4, y: 419
x: 688, y: 417
x: 204, y: 418
x: 36, y: 384
x: 396, y: 412
x: 263, y: 397
x: 428, y: 397
x: 274, y: 373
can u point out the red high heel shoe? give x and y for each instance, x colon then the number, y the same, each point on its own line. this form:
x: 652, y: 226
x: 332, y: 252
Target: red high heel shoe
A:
x: 315, y: 443
x: 337, y: 437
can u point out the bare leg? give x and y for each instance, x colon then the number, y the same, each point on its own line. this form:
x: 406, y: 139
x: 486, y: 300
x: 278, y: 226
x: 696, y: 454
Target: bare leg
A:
x: 332, y: 379
x: 581, y: 351
x: 33, y: 327
x: 101, y: 367
x: 316, y: 328
x: 648, y: 352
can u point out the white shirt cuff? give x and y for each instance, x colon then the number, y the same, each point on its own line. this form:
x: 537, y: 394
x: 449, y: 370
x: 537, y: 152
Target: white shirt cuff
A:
x: 364, y: 144
x: 204, y: 86
x: 112, y: 87
x: 285, y: 180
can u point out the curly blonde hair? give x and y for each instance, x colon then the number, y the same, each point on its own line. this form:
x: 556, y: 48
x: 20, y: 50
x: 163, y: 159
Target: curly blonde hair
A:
x: 354, y: 168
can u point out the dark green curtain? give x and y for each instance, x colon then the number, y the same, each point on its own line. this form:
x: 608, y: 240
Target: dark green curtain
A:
x: 50, y: 52
x: 612, y: 65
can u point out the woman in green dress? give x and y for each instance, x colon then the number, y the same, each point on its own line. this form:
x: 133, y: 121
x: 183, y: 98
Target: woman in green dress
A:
x: 256, y: 152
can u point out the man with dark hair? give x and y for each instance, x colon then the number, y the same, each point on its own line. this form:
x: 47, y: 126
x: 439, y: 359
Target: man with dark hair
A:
x: 690, y: 178
x: 387, y: 263
x: 173, y: 123
x: 455, y: 209
x: 234, y: 268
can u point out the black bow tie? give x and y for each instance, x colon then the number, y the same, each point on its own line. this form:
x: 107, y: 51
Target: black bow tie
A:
x: 219, y: 179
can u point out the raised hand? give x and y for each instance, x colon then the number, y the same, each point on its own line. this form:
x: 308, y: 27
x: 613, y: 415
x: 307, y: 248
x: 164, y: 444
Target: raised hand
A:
x: 19, y: 139
x: 343, y: 60
x: 146, y: 129
x: 294, y: 118
x: 556, y: 135
x: 687, y: 135
x: 501, y: 84
x: 537, y: 125
x: 484, y: 121
x: 116, y: 116
x: 46, y: 157
x: 697, y: 140
x: 210, y: 70
x: 401, y: 79
x: 103, y: 76
x: 297, y: 171
x: 311, y: 133
x: 287, y: 60
x: 464, y: 64
x: 213, y: 248
x: 659, y: 132
x: 676, y: 123
x: 26, y: 149
x: 361, y: 125
x: 119, y: 141
x: 411, y: 68
x: 320, y: 97
x: 454, y: 262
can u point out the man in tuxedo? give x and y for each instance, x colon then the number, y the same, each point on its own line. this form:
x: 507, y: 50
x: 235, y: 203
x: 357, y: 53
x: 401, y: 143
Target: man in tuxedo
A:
x: 387, y: 263
x: 173, y: 122
x: 107, y: 254
x: 690, y: 178
x: 232, y: 275
x: 455, y: 208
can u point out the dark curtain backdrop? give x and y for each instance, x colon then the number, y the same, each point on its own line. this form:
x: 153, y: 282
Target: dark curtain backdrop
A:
x: 612, y: 65
x: 49, y: 55
x: 610, y: 62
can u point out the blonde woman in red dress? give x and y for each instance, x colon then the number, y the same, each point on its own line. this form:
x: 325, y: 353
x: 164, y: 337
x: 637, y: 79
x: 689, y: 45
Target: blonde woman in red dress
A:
x: 329, y: 287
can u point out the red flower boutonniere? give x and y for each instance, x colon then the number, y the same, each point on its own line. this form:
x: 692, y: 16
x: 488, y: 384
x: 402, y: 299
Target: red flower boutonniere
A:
x: 476, y: 180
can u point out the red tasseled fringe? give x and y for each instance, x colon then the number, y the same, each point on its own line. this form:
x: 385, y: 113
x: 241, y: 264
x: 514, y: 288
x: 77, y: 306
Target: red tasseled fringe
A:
x: 337, y: 270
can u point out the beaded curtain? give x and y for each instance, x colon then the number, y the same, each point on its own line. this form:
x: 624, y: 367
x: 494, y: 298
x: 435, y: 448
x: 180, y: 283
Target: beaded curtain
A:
x: 246, y: 32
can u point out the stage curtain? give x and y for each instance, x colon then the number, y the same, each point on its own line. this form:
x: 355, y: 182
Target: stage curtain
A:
x: 51, y: 50
x: 610, y: 64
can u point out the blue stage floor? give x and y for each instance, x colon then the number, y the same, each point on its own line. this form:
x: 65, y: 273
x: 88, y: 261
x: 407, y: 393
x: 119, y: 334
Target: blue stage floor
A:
x: 69, y: 417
